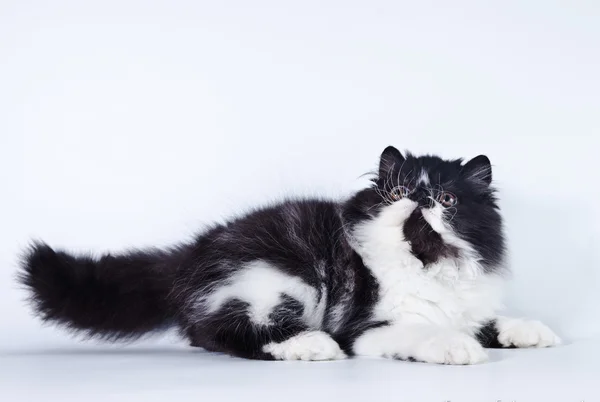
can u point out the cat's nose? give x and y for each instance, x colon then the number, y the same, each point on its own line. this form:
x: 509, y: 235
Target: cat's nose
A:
x: 425, y: 202
x: 422, y: 198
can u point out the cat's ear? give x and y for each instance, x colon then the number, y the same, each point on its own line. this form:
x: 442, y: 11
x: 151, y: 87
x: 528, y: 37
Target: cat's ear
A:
x: 479, y: 169
x: 390, y: 158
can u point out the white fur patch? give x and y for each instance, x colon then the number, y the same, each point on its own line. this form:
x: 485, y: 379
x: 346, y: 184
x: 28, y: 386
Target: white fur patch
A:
x: 435, y: 311
x: 424, y: 343
x: 313, y: 345
x: 452, y: 293
x: 423, y: 178
x: 434, y: 216
x: 525, y: 333
x: 261, y: 285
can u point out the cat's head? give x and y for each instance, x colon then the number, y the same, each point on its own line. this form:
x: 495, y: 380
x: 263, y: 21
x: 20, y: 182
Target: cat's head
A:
x: 442, y: 208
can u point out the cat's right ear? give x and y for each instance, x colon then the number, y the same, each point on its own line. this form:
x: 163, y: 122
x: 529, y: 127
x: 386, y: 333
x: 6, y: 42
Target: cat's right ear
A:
x: 479, y: 169
x: 390, y: 158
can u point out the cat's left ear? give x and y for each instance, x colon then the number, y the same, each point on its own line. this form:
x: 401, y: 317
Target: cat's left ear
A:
x: 479, y: 169
x: 390, y: 158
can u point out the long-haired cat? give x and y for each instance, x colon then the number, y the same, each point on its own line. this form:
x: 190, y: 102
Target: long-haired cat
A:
x: 409, y: 268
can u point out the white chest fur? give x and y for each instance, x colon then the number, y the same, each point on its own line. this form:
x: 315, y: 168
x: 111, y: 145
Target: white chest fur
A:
x: 452, y: 293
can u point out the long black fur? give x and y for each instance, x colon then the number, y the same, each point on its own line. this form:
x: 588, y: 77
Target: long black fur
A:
x: 111, y: 297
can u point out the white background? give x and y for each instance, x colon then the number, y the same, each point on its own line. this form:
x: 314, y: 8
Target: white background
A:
x: 133, y: 123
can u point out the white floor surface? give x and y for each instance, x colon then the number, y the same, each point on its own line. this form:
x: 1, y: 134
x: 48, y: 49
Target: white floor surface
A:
x: 162, y: 371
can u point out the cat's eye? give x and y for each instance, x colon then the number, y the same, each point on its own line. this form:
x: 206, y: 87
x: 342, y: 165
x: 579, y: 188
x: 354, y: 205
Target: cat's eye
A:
x: 399, y: 192
x: 447, y: 199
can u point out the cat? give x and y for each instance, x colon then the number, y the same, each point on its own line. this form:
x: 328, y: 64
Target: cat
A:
x: 409, y: 268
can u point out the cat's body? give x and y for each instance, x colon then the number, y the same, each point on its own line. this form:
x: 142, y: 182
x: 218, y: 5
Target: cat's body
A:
x: 386, y: 273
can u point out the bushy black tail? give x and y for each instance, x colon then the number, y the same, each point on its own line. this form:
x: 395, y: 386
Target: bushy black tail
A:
x: 111, y: 297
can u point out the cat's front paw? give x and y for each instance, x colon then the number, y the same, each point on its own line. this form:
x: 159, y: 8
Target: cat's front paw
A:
x: 450, y: 348
x: 311, y: 345
x: 525, y: 334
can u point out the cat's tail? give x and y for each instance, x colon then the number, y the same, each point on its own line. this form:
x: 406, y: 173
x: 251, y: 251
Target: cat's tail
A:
x: 111, y: 297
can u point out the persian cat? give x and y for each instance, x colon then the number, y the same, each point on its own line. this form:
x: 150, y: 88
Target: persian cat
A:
x: 409, y: 268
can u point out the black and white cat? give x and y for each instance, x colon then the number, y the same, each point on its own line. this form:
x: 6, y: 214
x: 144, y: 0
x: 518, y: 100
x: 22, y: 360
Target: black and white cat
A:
x: 408, y: 268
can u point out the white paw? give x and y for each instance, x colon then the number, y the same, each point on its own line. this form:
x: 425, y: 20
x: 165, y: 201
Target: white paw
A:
x: 313, y: 345
x: 525, y: 333
x: 450, y: 348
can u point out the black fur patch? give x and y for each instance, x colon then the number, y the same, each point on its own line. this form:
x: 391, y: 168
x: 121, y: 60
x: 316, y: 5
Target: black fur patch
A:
x: 427, y: 245
x: 488, y: 336
x: 229, y: 330
x: 112, y: 297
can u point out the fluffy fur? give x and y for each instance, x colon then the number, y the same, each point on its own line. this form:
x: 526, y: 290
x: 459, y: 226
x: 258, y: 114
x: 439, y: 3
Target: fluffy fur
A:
x: 409, y: 268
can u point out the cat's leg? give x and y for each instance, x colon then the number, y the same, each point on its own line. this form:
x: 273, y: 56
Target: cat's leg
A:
x: 282, y: 335
x: 420, y: 342
x: 506, y: 332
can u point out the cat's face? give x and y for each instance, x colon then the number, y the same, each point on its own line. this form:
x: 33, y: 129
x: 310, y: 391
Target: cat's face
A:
x: 450, y: 206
